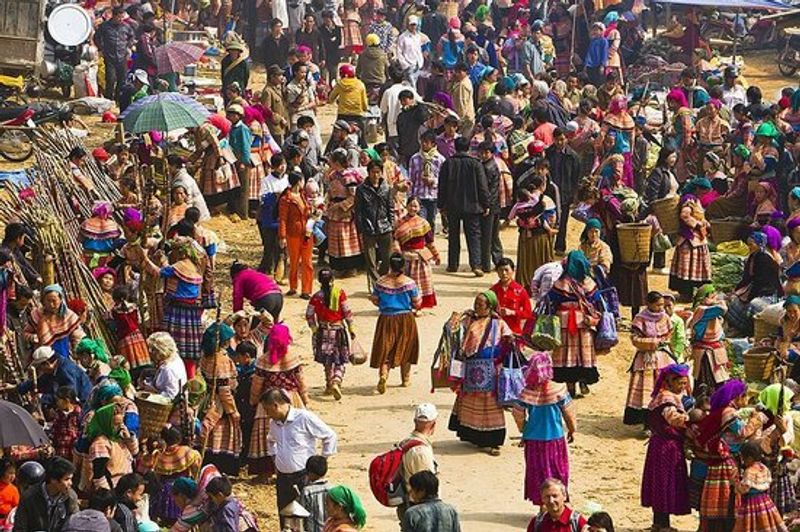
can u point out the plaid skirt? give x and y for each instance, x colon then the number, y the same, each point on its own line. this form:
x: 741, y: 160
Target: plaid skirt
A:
x: 331, y: 345
x: 351, y: 37
x: 226, y: 437
x: 576, y: 359
x: 781, y: 491
x: 420, y: 270
x: 644, y: 371
x: 255, y: 174
x: 396, y: 341
x: 543, y: 460
x: 155, y: 312
x: 185, y: 325
x: 690, y: 263
x: 134, y: 348
x: 718, y: 499
x: 343, y: 239
x: 286, y: 380
x: 757, y: 512
x: 218, y: 180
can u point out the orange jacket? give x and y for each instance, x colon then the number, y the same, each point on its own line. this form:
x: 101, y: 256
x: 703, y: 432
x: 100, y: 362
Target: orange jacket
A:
x: 293, y: 213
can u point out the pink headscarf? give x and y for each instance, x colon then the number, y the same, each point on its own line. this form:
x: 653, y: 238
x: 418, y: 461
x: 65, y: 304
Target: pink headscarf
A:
x: 677, y: 95
x: 278, y: 342
x: 102, y: 209
x: 618, y: 104
x: 252, y: 113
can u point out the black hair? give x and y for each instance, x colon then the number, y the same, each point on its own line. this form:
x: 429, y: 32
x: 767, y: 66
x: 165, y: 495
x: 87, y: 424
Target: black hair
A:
x: 601, y: 520
x: 689, y: 72
x: 14, y: 230
x: 505, y: 261
x: 752, y: 450
x: 405, y: 94
x: 247, y: 348
x: 487, y: 121
x: 274, y: 396
x: 396, y: 73
x: 409, y: 199
x: 102, y: 500
x: 559, y: 132
x: 397, y: 263
x: 518, y: 122
x: 117, y: 10
x: 338, y: 157
x: 121, y: 293
x: 325, y: 278
x: 184, y: 228
x: 317, y: 465
x: 663, y: 155
x: 451, y: 119
x: 175, y: 160
x: 275, y: 22
x: 461, y: 67
x: 374, y: 164
x: 219, y: 486
x: 237, y: 267
x: 540, y: 113
x: 192, y: 214
x: 653, y: 297
x: 294, y: 178
x: 542, y: 163
x: 462, y: 144
x: 5, y: 256
x: 486, y: 145
x: 76, y: 152
x: 171, y: 435
x: 58, y: 468
x: 741, y: 109
x: 5, y: 464
x: 715, y: 92
x: 277, y: 160
x: 536, y: 181
x: 67, y: 393
x: 425, y: 482
x: 127, y: 483
x: 754, y: 94
x: 304, y: 120
x: 24, y: 291
x: 292, y: 152
x: 429, y: 135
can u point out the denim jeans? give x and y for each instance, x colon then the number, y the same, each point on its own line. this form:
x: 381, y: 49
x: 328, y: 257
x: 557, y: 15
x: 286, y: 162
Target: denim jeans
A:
x: 428, y: 211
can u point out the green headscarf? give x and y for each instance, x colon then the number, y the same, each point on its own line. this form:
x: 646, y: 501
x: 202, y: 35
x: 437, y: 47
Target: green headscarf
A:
x: 491, y: 297
x: 482, y: 12
x: 196, y: 389
x: 578, y: 266
x: 742, y: 151
x: 347, y: 499
x: 767, y: 129
x: 373, y: 154
x: 95, y: 347
x: 793, y: 299
x: 122, y: 376
x: 702, y: 293
x: 591, y: 223
x: 696, y: 182
x: 102, y: 424
x: 215, y: 335
x: 771, y: 395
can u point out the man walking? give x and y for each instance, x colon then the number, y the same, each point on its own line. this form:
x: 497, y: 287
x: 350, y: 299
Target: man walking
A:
x: 423, y: 172
x: 115, y: 39
x: 418, y: 454
x: 409, y: 51
x: 565, y: 172
x: 491, y: 247
x: 463, y: 196
x: 375, y: 220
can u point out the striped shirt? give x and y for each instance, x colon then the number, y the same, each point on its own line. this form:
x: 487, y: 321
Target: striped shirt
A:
x: 313, y: 500
x: 419, y: 188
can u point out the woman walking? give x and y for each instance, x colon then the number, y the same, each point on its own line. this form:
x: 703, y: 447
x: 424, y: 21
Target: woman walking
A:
x: 691, y: 261
x: 396, y: 342
x: 331, y: 321
x: 709, y: 355
x: 414, y: 237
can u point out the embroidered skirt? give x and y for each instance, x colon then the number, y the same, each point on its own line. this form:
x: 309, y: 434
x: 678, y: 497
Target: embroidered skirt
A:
x: 420, y: 270
x: 718, y: 499
x: 185, y: 325
x: 576, y: 359
x: 758, y: 512
x: 644, y: 371
x: 691, y: 267
x: 255, y: 174
x: 134, y: 348
x: 478, y: 419
x: 344, y: 245
x: 331, y: 346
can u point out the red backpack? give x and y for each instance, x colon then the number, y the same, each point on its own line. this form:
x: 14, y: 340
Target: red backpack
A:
x: 385, y: 478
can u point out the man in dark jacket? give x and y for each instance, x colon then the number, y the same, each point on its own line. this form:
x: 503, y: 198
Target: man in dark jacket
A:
x: 434, y: 24
x: 47, y: 506
x: 129, y: 491
x: 375, y: 220
x: 115, y: 39
x: 463, y: 196
x: 410, y: 119
x: 428, y: 513
x: 276, y: 45
x: 491, y: 247
x: 565, y: 172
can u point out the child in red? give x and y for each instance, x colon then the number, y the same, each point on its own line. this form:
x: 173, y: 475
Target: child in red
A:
x: 66, y: 424
x: 131, y: 343
x: 9, y: 494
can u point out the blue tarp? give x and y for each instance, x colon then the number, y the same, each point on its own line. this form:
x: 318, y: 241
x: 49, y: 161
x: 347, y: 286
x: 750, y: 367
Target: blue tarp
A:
x: 18, y: 177
x: 731, y: 4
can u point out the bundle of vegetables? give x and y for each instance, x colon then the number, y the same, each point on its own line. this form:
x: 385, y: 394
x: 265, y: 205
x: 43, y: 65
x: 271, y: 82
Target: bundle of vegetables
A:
x: 726, y: 271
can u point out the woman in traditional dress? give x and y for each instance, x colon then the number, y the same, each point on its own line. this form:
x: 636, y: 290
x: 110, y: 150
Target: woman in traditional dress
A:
x: 235, y: 68
x: 414, y: 239
x: 331, y: 321
x: 53, y: 324
x: 765, y: 154
x: 734, y: 201
x: 760, y: 285
x: 561, y: 31
x: 260, y: 152
x: 651, y: 329
x: 709, y: 355
x: 100, y: 235
x: 681, y: 131
x: 764, y: 202
x: 778, y: 433
x: 175, y: 460
x: 278, y: 367
x: 537, y: 224
x: 573, y: 297
x: 130, y: 341
x: 191, y: 498
x: 597, y: 252
x: 721, y: 434
x: 111, y: 449
x: 665, y: 479
x: 344, y: 245
x: 691, y: 261
x: 614, y: 38
x: 220, y: 430
x: 619, y: 125
x: 344, y: 510
x: 477, y: 418
x: 757, y: 510
x: 218, y: 177
x: 543, y: 409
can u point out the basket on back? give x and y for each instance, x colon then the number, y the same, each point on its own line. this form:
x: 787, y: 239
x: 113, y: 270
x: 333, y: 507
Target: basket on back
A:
x: 154, y: 411
x: 728, y: 229
x: 634, y: 242
x: 668, y: 213
x: 759, y: 363
x: 762, y: 328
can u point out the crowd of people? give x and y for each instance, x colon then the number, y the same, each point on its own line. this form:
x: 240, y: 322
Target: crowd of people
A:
x: 511, y: 116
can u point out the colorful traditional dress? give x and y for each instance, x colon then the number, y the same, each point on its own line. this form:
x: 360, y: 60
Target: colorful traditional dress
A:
x: 344, y: 243
x: 100, y: 237
x: 396, y: 341
x: 173, y: 462
x: 54, y: 330
x: 130, y: 341
x: 665, y: 480
x: 221, y: 426
x: 217, y: 175
x: 541, y: 411
x: 691, y: 261
x: 331, y: 320
x: 259, y: 152
x: 182, y: 310
x: 709, y: 355
x: 576, y: 359
x: 682, y: 138
x: 757, y: 511
x: 649, y: 332
x: 415, y: 237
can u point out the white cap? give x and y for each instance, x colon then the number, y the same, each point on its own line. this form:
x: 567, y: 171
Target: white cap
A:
x: 141, y: 75
x: 426, y: 412
x: 42, y: 354
x: 413, y: 19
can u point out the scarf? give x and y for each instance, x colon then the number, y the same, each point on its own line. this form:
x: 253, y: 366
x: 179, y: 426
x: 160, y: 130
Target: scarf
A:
x: 102, y: 424
x: 62, y: 310
x: 347, y: 499
x: 427, y: 163
x: 771, y: 398
x: 333, y: 302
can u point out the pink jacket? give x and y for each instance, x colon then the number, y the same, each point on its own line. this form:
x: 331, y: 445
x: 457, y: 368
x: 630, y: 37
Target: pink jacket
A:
x: 252, y: 285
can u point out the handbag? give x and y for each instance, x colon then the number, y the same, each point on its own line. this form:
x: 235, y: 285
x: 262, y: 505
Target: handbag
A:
x: 479, y: 373
x: 443, y: 357
x: 511, y: 380
x: 606, y: 336
x: 610, y: 298
x: 547, y: 331
x: 661, y: 243
x: 358, y: 355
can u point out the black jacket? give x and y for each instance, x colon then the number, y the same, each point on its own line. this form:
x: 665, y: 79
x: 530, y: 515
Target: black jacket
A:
x: 32, y: 512
x: 493, y: 182
x: 657, y: 185
x: 276, y: 52
x: 565, y: 172
x: 373, y: 209
x: 409, y: 121
x: 463, y: 188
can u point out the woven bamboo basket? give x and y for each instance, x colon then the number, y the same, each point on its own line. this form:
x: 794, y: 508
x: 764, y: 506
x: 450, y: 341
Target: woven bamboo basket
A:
x: 152, y: 415
x: 759, y: 362
x: 634, y: 242
x: 762, y: 329
x: 727, y: 229
x: 666, y: 210
x: 449, y: 9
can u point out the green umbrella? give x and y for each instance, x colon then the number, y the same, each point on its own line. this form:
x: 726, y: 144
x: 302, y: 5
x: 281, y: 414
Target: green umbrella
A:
x: 163, y: 112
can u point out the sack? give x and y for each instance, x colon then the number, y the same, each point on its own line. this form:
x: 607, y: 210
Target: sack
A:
x: 385, y: 478
x: 479, y: 375
x: 661, y: 243
x: 511, y: 380
x: 610, y: 298
x: 358, y: 355
x: 606, y: 337
x: 440, y: 366
x: 547, y: 332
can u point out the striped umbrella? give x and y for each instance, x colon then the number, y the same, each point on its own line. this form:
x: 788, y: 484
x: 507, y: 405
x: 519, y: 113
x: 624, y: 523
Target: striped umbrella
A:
x: 163, y: 112
x: 173, y: 56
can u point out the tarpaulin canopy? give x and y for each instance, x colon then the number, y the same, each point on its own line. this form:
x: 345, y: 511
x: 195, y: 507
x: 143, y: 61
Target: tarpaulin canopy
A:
x: 731, y: 4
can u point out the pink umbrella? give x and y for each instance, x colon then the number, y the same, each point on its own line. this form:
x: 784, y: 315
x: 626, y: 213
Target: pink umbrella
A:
x: 173, y: 56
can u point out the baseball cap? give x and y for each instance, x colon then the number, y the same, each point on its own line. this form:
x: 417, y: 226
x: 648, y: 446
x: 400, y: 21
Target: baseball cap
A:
x: 413, y: 19
x: 42, y: 355
x: 426, y: 412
